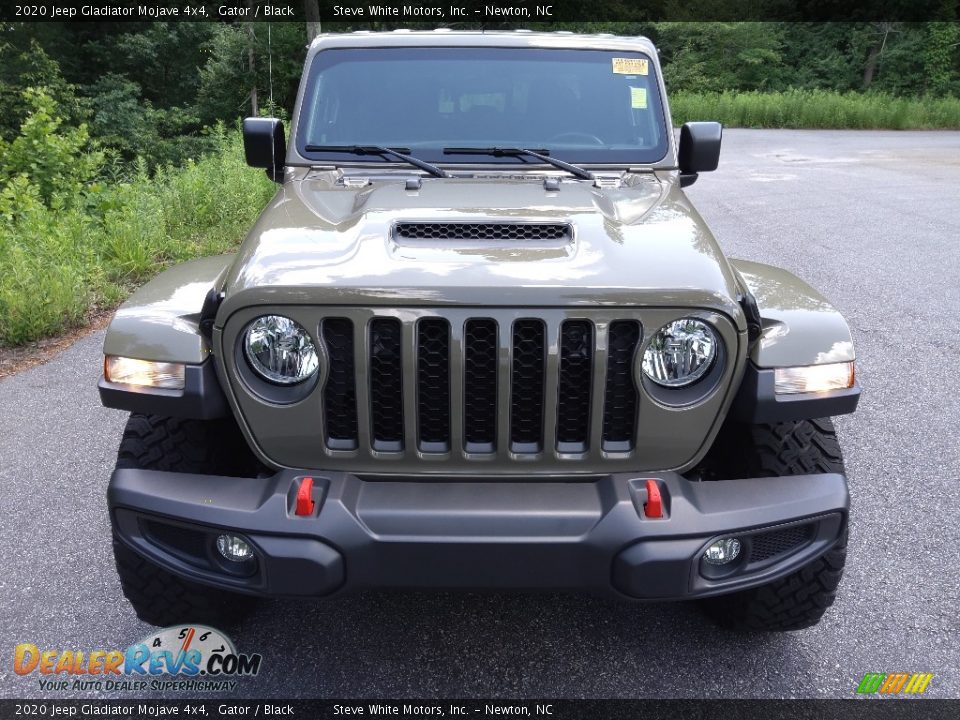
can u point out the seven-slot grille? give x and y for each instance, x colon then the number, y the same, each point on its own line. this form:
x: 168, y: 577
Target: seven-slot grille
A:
x: 481, y: 385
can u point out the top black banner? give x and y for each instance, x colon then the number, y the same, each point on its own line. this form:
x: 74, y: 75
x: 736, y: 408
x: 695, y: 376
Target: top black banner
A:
x: 343, y: 15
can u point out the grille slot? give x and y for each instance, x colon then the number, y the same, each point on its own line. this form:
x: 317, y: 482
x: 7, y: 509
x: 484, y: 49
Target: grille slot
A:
x: 386, y: 385
x: 480, y: 351
x: 574, y: 385
x: 340, y: 393
x: 433, y: 384
x: 766, y: 545
x: 620, y: 397
x: 481, y: 231
x: 526, y: 406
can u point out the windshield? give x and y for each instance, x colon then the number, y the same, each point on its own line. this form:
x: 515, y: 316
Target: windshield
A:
x: 581, y: 106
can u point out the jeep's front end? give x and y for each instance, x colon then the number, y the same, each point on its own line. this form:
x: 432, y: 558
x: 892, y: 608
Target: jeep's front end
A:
x: 480, y: 339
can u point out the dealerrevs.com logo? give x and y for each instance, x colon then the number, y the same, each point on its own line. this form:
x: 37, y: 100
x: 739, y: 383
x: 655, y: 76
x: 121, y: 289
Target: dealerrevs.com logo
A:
x: 894, y: 683
x: 198, y: 657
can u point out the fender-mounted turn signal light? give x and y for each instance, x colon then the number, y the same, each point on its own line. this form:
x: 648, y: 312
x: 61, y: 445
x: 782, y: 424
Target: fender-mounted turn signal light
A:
x: 653, y: 507
x: 305, y: 497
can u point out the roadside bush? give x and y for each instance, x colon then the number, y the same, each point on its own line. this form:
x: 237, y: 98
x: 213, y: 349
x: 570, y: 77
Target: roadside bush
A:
x: 70, y: 245
x: 58, y: 160
x: 132, y: 127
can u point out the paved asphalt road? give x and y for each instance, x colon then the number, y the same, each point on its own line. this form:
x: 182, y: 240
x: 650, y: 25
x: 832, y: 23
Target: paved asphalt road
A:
x: 870, y: 218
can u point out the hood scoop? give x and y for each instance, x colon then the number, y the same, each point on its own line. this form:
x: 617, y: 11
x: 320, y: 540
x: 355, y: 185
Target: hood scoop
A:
x: 481, y: 232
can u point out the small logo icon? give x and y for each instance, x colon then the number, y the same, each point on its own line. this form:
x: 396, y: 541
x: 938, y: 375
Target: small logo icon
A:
x: 903, y: 683
x: 189, y: 650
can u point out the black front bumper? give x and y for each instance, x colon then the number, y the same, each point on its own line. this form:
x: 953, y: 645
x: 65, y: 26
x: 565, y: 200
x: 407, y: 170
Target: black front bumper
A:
x: 589, y: 535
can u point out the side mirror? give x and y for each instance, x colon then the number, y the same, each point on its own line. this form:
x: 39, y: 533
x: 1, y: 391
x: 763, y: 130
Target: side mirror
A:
x: 699, y: 150
x: 265, y: 145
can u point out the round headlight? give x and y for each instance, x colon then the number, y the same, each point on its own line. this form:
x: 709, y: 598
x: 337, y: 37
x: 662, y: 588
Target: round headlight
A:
x: 280, y: 350
x: 680, y: 353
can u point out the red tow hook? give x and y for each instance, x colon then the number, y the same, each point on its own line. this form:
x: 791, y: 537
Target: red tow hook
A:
x: 305, y: 497
x: 653, y: 507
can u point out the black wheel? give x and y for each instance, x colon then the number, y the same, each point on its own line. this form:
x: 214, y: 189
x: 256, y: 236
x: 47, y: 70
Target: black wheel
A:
x: 215, y: 447
x: 792, y: 448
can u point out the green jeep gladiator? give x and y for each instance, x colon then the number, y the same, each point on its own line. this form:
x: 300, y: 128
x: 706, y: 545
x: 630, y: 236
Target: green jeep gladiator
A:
x: 480, y: 339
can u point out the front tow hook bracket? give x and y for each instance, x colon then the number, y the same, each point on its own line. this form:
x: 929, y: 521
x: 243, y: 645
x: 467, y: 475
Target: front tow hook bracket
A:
x: 305, y: 503
x: 653, y: 507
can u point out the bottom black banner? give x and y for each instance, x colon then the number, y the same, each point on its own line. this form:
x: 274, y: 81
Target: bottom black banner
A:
x: 874, y: 709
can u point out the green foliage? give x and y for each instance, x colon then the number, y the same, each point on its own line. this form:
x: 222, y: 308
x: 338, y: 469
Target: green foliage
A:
x: 125, y: 122
x: 823, y: 56
x: 940, y: 57
x: 33, y: 67
x: 161, y: 58
x: 57, y: 160
x: 903, y: 59
x: 816, y: 109
x: 226, y: 79
x: 58, y: 263
x: 712, y: 56
x: 43, y: 255
x: 136, y: 89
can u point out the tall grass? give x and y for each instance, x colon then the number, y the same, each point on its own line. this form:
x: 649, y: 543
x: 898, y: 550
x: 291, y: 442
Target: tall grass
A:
x: 58, y: 264
x: 816, y: 109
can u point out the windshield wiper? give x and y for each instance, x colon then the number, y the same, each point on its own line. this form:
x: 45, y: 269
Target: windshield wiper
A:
x: 380, y: 150
x: 576, y: 170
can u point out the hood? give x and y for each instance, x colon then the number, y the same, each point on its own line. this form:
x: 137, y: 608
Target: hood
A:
x: 637, y: 242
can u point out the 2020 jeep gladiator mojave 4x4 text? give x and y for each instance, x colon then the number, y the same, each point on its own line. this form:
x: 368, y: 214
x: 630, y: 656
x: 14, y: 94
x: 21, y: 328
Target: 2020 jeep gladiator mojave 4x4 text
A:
x: 480, y: 339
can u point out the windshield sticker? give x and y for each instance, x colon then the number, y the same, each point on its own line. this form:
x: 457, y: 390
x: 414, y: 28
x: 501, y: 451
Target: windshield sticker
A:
x: 638, y: 97
x: 630, y: 66
x: 446, y: 103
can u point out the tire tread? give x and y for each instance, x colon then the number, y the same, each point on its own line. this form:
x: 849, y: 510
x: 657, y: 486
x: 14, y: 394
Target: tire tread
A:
x: 152, y: 442
x: 800, y: 599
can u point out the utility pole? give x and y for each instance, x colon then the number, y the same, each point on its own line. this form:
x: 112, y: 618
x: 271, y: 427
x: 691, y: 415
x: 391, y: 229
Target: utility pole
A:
x: 311, y: 10
x: 252, y: 64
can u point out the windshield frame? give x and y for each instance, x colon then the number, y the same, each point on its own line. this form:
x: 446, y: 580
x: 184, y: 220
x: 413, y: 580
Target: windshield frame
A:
x: 297, y: 154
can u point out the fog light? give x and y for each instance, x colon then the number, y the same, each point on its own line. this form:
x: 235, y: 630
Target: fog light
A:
x: 234, y: 548
x: 723, y: 552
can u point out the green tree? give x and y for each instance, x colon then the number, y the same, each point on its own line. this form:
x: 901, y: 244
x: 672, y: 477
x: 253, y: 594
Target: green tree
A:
x: 712, y: 56
x: 60, y: 161
x: 226, y: 80
x: 33, y: 67
x: 821, y: 56
x: 940, y: 57
x: 122, y: 120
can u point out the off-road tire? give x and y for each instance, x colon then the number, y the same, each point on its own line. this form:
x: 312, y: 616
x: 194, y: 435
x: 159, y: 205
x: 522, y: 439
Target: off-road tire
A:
x: 800, y: 447
x: 800, y: 599
x: 205, y: 447
x: 161, y: 598
x: 216, y: 447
